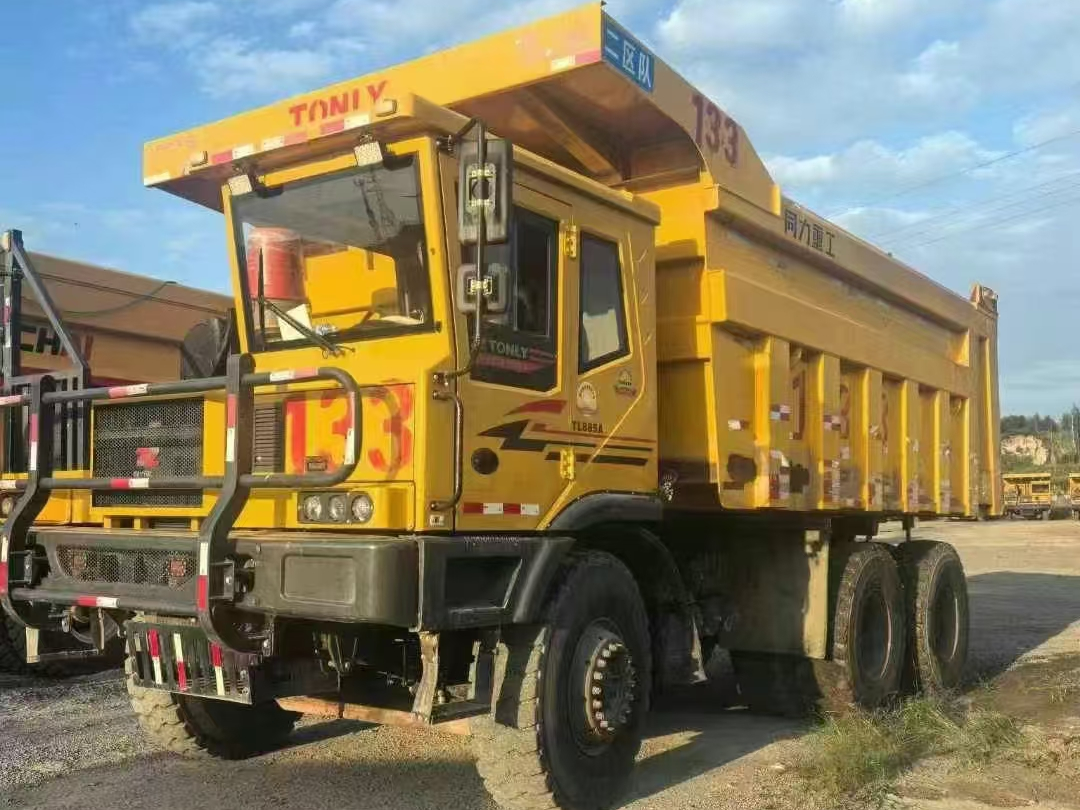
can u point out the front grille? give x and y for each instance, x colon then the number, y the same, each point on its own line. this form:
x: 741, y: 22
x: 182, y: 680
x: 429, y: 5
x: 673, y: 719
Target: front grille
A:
x: 172, y: 569
x: 161, y: 439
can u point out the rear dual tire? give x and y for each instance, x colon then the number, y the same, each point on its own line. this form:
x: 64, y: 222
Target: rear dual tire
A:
x: 938, y: 616
x: 899, y: 625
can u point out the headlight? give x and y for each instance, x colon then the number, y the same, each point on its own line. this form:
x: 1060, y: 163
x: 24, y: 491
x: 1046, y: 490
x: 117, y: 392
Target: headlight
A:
x: 362, y: 508
x: 312, y: 507
x: 339, y: 507
x: 6, y: 505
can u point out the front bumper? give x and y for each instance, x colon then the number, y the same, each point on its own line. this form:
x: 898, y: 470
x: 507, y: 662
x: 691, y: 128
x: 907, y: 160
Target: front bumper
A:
x: 409, y: 581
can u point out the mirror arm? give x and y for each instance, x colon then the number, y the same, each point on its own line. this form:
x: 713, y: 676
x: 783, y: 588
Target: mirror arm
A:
x: 445, y: 377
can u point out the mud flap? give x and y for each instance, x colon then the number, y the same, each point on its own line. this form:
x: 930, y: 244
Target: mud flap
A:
x: 180, y: 658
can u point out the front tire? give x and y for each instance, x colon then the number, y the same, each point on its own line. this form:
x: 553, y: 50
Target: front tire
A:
x: 573, y: 695
x: 195, y: 727
x: 938, y: 616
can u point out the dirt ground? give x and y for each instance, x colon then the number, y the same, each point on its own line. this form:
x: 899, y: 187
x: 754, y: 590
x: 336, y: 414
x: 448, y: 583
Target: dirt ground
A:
x: 74, y: 744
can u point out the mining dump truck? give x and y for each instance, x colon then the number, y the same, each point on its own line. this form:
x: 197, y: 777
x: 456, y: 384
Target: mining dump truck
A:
x: 85, y: 326
x: 1074, y: 494
x: 544, y: 392
x: 1028, y: 495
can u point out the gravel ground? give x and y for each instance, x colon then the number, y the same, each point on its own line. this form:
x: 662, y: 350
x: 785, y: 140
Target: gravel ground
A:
x: 74, y: 744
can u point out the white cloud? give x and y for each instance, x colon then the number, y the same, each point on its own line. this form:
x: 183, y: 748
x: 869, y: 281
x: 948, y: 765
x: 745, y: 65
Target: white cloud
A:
x: 869, y: 168
x: 173, y: 23
x: 1035, y: 129
x: 229, y: 66
x: 701, y: 27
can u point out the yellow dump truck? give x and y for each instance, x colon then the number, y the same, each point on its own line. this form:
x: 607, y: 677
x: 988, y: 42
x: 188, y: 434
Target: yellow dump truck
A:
x: 1074, y: 494
x: 1028, y: 495
x: 544, y: 392
x: 85, y: 326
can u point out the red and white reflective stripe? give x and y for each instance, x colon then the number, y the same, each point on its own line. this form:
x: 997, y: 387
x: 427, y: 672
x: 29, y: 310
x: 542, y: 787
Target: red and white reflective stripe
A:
x: 110, y: 602
x: 216, y: 658
x: 3, y: 565
x: 154, y: 642
x: 583, y: 58
x: 354, y: 121
x: 291, y: 374
x: 525, y: 509
x: 230, y: 429
x: 32, y: 461
x: 13, y: 399
x: 121, y: 391
x: 181, y: 667
x: 780, y: 413
x: 129, y: 483
x: 202, y: 584
x: 350, y: 434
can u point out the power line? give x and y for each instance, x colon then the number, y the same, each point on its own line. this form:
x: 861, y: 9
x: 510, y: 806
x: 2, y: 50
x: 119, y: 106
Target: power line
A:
x: 949, y: 213
x: 994, y: 223
x: 975, y: 213
x: 959, y: 173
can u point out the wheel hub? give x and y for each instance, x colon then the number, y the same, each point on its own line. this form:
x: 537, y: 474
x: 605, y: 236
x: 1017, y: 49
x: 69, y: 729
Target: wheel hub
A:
x: 610, y: 683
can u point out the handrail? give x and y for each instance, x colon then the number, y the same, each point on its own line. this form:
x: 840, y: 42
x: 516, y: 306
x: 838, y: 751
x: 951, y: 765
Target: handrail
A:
x: 216, y: 581
x: 353, y: 438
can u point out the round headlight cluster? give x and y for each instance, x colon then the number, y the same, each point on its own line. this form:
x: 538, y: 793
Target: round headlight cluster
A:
x: 313, y: 508
x: 336, y: 507
x: 362, y: 508
x: 339, y: 508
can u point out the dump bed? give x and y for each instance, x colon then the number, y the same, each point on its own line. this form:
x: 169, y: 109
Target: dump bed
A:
x: 128, y: 327
x: 800, y: 368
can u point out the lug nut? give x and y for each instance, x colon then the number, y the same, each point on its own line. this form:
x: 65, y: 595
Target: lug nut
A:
x: 596, y: 690
x: 598, y: 704
x: 602, y: 663
x: 598, y: 676
x: 605, y: 724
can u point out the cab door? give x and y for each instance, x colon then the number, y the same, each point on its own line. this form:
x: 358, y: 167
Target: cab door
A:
x: 612, y: 356
x: 515, y: 397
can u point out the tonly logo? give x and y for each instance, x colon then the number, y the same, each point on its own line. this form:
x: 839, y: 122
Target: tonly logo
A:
x: 319, y: 109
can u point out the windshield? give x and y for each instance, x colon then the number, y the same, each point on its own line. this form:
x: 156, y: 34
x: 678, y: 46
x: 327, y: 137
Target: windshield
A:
x: 342, y: 256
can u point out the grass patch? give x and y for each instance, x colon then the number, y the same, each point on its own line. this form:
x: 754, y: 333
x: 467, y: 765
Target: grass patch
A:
x: 860, y: 755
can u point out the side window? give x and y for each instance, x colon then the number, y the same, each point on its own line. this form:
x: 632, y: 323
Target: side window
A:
x: 602, y: 326
x: 520, y: 345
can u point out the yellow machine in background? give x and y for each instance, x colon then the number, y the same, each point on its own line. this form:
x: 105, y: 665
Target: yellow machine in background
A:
x: 1028, y: 495
x: 124, y: 329
x: 1074, y: 493
x: 518, y: 424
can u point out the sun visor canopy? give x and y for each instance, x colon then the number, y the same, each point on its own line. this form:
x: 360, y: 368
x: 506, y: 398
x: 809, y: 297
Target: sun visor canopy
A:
x: 577, y: 89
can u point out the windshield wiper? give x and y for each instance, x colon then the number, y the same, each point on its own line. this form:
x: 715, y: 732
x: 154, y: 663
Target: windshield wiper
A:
x: 327, y: 345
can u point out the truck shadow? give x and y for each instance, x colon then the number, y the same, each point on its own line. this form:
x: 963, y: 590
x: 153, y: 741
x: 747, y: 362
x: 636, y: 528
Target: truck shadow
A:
x: 698, y: 729
x: 1017, y: 614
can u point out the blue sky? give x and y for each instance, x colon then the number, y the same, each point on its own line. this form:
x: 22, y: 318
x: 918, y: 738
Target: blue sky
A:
x: 860, y: 107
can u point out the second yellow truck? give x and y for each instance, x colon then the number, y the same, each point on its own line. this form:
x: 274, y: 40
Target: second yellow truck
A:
x: 519, y: 424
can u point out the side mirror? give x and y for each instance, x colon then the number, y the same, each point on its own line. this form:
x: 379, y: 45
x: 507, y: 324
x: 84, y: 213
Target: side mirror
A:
x: 494, y: 289
x: 486, y: 188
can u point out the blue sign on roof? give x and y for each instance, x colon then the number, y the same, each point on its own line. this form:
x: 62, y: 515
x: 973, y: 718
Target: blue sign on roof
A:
x: 629, y: 56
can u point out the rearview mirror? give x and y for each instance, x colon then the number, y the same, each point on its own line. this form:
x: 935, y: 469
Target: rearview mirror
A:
x: 485, y: 188
x: 494, y: 289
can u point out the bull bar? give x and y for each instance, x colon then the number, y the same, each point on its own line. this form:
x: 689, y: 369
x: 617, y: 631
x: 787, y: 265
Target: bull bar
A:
x: 215, y: 578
